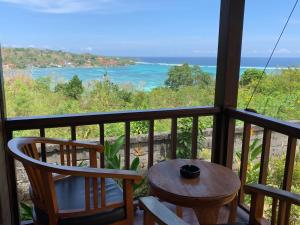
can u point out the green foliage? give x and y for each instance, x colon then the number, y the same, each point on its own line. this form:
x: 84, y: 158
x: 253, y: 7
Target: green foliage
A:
x: 250, y: 75
x: 42, y: 84
x: 111, y: 153
x: 184, y: 138
x: 25, y: 211
x: 255, y: 149
x: 113, y: 158
x: 22, y: 58
x: 185, y: 75
x: 179, y: 76
x: 278, y: 96
x: 201, y: 78
x: 139, y: 127
x: 275, y: 176
x: 72, y: 89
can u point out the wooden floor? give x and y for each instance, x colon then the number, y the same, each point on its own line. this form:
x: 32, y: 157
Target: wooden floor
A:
x: 189, y: 216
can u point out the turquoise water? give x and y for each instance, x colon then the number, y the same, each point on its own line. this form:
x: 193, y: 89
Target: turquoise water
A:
x: 144, y: 75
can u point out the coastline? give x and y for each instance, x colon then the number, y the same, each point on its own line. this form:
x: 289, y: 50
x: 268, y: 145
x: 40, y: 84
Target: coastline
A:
x: 144, y: 75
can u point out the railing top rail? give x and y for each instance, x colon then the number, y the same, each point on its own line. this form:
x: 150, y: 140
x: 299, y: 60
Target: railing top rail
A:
x: 283, y: 127
x: 50, y: 121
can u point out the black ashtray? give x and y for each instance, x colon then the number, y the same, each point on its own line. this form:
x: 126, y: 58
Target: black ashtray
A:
x: 189, y: 171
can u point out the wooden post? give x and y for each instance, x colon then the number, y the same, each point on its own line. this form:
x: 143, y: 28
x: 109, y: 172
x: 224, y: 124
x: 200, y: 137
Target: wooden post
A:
x: 227, y: 78
x: 8, y: 188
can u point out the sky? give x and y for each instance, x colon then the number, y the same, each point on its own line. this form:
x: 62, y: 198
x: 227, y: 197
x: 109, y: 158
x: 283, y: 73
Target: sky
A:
x: 144, y: 28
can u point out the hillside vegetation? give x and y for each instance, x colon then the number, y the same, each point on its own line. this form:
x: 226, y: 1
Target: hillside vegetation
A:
x: 277, y: 96
x: 21, y: 58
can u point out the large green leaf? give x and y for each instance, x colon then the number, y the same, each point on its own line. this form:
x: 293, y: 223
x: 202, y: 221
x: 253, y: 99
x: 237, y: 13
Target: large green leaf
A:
x: 107, y: 149
x: 117, y: 145
x: 135, y: 164
x: 255, y: 149
x: 136, y: 186
x: 114, y: 162
x: 26, y: 211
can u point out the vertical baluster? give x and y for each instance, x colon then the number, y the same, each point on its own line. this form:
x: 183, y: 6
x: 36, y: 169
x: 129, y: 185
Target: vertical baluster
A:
x: 244, y: 159
x: 73, y: 137
x: 103, y: 199
x: 95, y: 192
x: 73, y: 133
x: 230, y: 142
x: 87, y: 193
x: 264, y: 162
x: 173, y: 138
x: 194, y: 137
x: 287, y: 213
x: 150, y: 143
x: 289, y: 163
x: 93, y: 158
x: 288, y: 175
x: 101, y: 127
x: 274, y: 207
x: 62, y: 154
x: 127, y: 145
x: 43, y: 147
x: 11, y: 175
x: 93, y: 163
x: 68, y: 155
x: 281, y: 213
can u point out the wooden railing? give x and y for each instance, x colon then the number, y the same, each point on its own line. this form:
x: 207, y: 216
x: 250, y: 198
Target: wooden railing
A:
x: 73, y: 121
x: 291, y: 130
x: 100, y: 119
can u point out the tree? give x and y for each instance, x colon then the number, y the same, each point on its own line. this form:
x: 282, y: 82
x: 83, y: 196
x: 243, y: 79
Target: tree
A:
x: 179, y: 76
x: 72, y: 89
x: 250, y: 75
x: 201, y: 78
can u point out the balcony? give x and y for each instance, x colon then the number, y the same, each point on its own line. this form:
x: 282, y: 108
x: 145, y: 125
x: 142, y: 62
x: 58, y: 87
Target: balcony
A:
x: 224, y: 113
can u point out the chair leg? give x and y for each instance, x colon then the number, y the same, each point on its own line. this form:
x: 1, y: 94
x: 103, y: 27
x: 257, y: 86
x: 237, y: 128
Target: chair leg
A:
x: 179, y: 211
x: 148, y: 219
x: 53, y: 221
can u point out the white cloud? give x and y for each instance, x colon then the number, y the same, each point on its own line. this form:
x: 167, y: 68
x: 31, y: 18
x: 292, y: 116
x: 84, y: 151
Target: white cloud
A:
x: 283, y: 51
x: 88, y: 49
x: 68, y: 6
x: 295, y: 22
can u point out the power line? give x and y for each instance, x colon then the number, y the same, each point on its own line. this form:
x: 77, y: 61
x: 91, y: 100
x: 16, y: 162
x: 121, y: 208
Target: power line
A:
x: 272, y: 53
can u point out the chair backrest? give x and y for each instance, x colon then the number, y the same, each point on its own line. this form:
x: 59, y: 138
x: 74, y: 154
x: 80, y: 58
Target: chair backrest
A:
x: 40, y: 174
x: 26, y: 151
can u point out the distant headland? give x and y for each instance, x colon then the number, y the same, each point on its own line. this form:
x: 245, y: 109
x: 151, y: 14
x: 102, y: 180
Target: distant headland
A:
x: 22, y: 58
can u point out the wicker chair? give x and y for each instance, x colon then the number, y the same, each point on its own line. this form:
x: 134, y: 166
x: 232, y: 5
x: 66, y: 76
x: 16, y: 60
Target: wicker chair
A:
x: 66, y: 193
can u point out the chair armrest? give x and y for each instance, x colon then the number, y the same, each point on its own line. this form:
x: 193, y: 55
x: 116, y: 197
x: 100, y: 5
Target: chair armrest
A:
x: 76, y: 143
x: 272, y: 192
x: 93, y: 172
x: 160, y: 213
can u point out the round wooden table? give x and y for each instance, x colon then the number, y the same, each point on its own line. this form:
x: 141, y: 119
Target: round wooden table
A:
x: 215, y: 187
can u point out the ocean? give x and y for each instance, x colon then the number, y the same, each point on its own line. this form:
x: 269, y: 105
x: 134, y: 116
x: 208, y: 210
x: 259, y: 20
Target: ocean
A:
x: 151, y: 72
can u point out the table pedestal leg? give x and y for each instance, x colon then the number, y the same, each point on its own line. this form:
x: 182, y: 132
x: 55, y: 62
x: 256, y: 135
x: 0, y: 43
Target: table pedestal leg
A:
x: 207, y: 216
x: 179, y: 211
